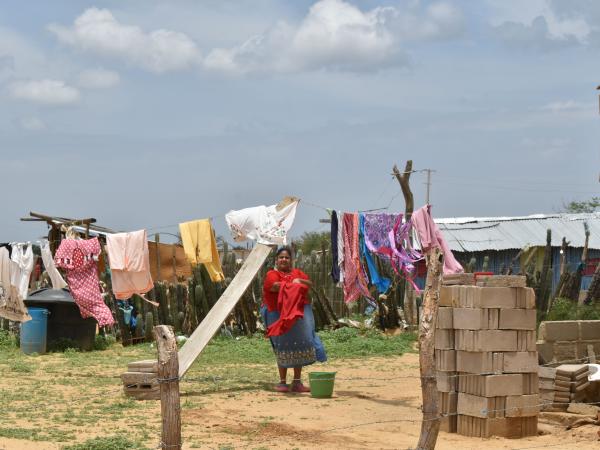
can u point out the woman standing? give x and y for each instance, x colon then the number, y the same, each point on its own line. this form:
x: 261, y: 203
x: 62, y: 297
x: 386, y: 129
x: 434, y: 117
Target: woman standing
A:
x: 300, y: 345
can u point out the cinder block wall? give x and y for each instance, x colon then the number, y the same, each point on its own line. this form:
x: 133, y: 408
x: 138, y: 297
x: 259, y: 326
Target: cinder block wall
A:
x: 568, y: 340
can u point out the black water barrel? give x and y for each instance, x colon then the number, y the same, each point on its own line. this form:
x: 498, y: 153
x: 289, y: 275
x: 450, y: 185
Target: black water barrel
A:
x: 64, y: 320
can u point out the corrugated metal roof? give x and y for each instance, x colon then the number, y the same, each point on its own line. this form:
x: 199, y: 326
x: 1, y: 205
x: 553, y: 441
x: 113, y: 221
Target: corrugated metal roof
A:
x: 471, y: 234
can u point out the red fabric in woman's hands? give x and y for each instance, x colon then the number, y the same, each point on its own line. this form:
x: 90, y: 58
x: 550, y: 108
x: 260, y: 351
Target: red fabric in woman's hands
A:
x: 290, y: 304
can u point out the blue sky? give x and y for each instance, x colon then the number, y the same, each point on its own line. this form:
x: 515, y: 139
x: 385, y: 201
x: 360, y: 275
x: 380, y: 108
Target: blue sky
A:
x: 147, y: 113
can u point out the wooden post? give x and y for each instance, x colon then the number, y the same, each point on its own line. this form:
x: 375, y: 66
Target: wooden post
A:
x: 168, y: 379
x: 410, y: 299
x: 430, y: 426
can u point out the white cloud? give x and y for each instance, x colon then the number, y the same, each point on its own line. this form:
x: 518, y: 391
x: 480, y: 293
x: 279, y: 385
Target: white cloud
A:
x: 568, y: 105
x: 98, y: 31
x: 545, y: 24
x: 49, y: 92
x: 338, y: 35
x: 98, y: 79
x: 32, y: 124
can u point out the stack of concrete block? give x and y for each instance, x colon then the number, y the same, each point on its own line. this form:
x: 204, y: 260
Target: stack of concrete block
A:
x: 570, y: 383
x: 445, y: 357
x: 547, y: 375
x: 568, y: 340
x: 496, y: 358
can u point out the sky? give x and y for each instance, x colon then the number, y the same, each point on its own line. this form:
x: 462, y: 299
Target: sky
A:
x: 144, y: 114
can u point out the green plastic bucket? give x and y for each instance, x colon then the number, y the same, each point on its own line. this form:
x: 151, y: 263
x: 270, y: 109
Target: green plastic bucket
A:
x: 321, y: 384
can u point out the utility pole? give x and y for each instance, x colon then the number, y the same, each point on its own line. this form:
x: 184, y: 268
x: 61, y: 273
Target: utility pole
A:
x: 428, y: 183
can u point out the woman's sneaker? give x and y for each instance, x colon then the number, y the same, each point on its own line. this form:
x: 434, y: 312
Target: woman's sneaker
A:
x: 297, y: 386
x: 282, y: 387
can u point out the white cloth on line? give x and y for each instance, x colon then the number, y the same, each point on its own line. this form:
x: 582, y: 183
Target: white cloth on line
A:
x: 11, y: 304
x: 263, y: 224
x: 5, y: 286
x: 56, y: 278
x: 340, y: 242
x: 22, y: 267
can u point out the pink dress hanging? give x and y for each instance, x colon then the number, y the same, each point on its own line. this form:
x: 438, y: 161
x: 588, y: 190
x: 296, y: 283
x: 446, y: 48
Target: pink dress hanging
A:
x: 79, y: 259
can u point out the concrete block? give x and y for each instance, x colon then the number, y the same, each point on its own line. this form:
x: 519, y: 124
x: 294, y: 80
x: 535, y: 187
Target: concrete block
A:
x: 531, y: 383
x: 520, y: 362
x: 517, y: 319
x: 545, y: 351
x: 449, y: 424
x: 497, y: 297
x: 525, y: 298
x: 447, y: 402
x: 444, y: 318
x: 547, y: 372
x: 510, y: 427
x: 486, y: 340
x: 589, y: 330
x: 565, y: 351
x: 563, y: 330
x: 491, y: 385
x: 475, y: 318
x: 446, y: 381
x: 522, y: 405
x: 449, y: 295
x: 477, y: 406
x: 444, y: 339
x: 526, y: 341
x: 445, y: 360
x: 479, y: 362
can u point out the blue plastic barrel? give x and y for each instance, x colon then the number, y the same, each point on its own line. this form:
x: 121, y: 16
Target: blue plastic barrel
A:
x: 34, y: 331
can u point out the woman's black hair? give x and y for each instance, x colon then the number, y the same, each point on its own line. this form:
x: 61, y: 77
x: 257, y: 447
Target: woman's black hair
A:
x: 285, y: 248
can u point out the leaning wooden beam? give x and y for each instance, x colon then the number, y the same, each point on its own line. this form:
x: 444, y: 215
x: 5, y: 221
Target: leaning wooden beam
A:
x: 218, y: 313
x: 430, y: 426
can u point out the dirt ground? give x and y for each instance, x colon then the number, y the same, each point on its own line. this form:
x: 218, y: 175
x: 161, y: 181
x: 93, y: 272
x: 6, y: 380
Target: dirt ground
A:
x: 375, y: 405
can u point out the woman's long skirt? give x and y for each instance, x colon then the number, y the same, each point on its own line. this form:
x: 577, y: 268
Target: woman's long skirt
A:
x: 301, y: 345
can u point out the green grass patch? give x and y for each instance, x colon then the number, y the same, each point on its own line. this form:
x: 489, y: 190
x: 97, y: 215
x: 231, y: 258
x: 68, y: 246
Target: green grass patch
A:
x: 565, y: 309
x: 107, y: 443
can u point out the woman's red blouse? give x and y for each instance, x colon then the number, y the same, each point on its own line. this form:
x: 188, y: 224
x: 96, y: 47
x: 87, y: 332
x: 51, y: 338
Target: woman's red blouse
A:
x: 275, y: 276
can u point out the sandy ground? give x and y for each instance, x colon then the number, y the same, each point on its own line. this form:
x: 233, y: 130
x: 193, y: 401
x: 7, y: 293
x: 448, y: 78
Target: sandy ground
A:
x: 375, y: 405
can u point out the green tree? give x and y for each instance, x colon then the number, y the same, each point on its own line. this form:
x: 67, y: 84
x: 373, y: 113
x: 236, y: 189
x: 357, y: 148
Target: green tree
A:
x: 312, y: 240
x: 585, y: 206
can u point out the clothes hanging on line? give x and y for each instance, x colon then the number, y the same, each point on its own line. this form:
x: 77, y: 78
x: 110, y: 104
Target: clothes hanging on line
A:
x: 200, y: 246
x: 11, y: 304
x: 335, y: 267
x: 23, y: 261
x: 55, y: 277
x: 263, y: 224
x: 381, y: 283
x: 8, y: 246
x: 355, y: 283
x: 78, y: 257
x: 129, y: 263
x: 340, y: 246
x: 430, y: 237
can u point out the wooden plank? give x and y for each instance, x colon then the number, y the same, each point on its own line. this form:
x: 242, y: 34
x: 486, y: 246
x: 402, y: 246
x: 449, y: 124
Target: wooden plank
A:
x: 218, y: 313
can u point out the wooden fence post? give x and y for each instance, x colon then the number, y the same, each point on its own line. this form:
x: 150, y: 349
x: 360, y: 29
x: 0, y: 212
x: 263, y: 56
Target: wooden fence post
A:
x: 430, y: 426
x: 168, y: 379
